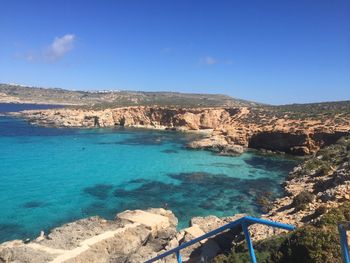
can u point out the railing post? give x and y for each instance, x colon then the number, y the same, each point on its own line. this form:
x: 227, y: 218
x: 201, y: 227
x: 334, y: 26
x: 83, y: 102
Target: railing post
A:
x: 178, y: 256
x: 249, y: 242
x: 344, y: 242
x: 244, y: 222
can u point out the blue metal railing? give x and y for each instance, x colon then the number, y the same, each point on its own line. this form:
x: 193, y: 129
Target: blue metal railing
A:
x: 343, y: 227
x: 244, y: 222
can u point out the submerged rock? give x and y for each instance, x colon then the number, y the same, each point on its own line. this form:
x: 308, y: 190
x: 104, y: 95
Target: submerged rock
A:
x: 217, y: 144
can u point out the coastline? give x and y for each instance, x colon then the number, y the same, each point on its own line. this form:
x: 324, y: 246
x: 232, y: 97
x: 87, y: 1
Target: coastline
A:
x: 138, y: 235
x: 227, y: 130
x: 46, y: 249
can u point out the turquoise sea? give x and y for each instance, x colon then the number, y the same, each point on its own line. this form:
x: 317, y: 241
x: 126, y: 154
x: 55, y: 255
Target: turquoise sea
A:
x: 51, y: 176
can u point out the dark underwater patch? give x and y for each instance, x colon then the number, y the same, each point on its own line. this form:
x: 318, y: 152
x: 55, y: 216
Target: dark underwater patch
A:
x: 269, y: 163
x: 98, y: 208
x: 8, y: 227
x: 9, y: 231
x: 107, y: 143
x: 155, y: 138
x: 99, y: 191
x: 147, y: 140
x: 195, y: 194
x: 137, y: 181
x: 225, y: 165
x: 169, y: 151
x: 34, y: 204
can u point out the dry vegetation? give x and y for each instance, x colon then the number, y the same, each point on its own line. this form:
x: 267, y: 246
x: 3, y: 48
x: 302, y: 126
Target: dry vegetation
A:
x: 110, y: 99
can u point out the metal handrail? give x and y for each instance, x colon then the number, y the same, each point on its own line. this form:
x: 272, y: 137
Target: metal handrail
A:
x: 343, y: 227
x: 244, y: 222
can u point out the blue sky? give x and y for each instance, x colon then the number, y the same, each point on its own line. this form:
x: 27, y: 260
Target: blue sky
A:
x: 269, y: 51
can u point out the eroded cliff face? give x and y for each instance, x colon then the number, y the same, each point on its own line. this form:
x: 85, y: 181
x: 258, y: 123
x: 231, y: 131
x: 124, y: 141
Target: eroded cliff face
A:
x: 228, y: 129
x: 320, y: 183
x: 299, y: 143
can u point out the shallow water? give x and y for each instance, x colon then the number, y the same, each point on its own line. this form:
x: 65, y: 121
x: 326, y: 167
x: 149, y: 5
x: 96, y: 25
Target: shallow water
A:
x: 51, y: 176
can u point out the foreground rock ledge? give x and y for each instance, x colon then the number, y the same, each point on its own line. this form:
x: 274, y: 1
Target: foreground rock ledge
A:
x: 134, y: 236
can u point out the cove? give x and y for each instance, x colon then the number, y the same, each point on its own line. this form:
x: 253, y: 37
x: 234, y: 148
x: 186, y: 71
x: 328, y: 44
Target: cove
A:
x: 51, y: 176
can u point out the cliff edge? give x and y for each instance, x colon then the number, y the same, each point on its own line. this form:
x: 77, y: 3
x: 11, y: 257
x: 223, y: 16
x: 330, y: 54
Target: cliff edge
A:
x: 228, y: 130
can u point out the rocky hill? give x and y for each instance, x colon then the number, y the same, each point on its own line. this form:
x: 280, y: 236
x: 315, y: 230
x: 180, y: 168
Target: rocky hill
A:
x: 231, y: 124
x: 106, y: 99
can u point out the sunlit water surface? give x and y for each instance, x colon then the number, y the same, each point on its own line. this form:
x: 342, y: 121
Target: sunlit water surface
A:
x: 51, y: 176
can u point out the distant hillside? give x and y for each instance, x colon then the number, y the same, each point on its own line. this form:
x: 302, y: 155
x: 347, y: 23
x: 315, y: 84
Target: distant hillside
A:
x: 325, y: 112
x: 18, y: 93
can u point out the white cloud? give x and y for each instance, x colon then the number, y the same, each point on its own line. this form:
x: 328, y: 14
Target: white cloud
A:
x: 208, y: 60
x: 59, y: 47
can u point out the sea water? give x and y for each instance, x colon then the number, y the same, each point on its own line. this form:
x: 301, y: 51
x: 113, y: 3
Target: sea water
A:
x: 51, y: 176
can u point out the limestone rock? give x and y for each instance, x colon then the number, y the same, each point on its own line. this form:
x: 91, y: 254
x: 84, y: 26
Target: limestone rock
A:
x: 231, y: 128
x: 217, y: 144
x: 154, y: 221
x: 134, y: 237
x: 194, y: 231
x: 210, y: 223
x: 72, y: 234
x: 232, y: 150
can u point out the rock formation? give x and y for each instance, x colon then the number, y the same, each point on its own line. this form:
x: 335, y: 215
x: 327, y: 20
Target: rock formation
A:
x: 320, y: 183
x: 134, y: 236
x: 228, y: 130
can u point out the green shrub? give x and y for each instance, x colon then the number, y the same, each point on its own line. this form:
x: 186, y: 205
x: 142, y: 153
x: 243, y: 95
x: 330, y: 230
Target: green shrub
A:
x: 301, y: 200
x: 265, y: 201
x: 320, y: 211
x: 335, y: 215
x: 323, y: 169
x: 313, y: 164
x: 315, y: 243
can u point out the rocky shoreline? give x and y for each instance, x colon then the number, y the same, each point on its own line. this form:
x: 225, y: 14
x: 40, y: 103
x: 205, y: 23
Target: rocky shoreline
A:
x: 319, y: 184
x: 228, y: 130
x: 134, y: 236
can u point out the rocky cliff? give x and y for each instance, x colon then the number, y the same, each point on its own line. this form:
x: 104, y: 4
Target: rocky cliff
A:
x: 229, y: 130
x: 320, y: 183
x: 317, y: 199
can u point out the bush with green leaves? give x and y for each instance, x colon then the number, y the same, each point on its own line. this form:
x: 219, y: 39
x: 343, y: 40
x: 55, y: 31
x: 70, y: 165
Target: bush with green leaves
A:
x: 301, y: 200
x: 314, y: 243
